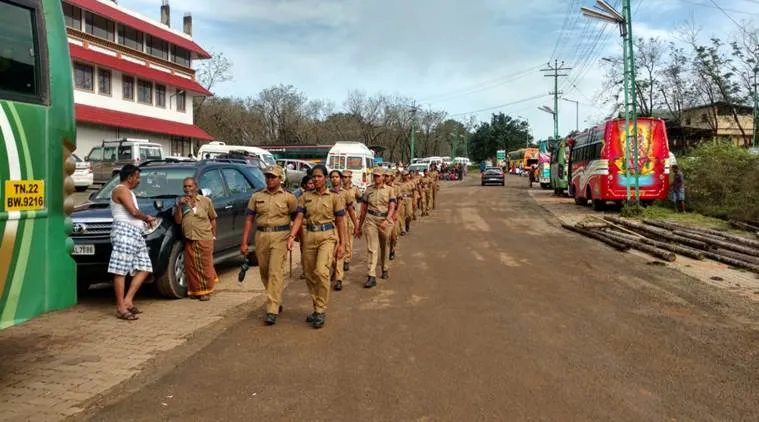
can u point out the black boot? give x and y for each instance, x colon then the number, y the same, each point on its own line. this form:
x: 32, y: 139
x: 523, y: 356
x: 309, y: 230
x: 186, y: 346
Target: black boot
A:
x: 346, y: 266
x: 392, y: 255
x: 338, y: 285
x: 371, y: 281
x: 385, y: 275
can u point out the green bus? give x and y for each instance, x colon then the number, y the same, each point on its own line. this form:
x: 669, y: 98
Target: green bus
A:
x: 37, y: 129
x: 559, y: 166
x: 312, y: 153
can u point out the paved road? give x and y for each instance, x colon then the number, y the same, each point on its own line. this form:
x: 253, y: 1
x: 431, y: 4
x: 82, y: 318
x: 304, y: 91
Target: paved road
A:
x: 492, y: 313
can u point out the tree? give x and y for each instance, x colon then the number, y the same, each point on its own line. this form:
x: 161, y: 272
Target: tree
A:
x: 211, y: 72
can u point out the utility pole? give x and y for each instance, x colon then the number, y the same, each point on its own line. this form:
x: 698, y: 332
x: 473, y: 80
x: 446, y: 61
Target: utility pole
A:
x: 554, y: 73
x: 577, y: 112
x: 454, y: 144
x: 413, y: 133
x: 605, y: 12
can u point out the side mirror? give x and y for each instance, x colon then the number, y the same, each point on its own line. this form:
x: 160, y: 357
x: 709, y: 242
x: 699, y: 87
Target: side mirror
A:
x: 158, y: 204
x: 205, y: 192
x: 92, y: 195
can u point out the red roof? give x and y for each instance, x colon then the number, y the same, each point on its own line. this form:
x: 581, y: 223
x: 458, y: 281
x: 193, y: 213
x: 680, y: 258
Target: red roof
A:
x: 102, y: 116
x: 142, y: 71
x: 117, y: 15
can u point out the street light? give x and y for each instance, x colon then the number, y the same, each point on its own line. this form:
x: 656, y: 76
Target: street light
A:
x: 527, y: 140
x: 577, y: 112
x: 605, y: 12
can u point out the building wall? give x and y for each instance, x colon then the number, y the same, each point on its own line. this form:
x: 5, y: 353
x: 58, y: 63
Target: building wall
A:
x: 116, y: 101
x: 89, y: 136
x: 725, y: 122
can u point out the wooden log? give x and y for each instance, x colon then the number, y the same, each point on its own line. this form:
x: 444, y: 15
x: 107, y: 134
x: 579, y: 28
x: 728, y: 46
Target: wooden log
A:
x: 658, y: 233
x: 731, y: 261
x: 737, y: 255
x: 649, y: 249
x: 706, y: 231
x: 724, y: 244
x: 744, y: 226
x: 614, y: 244
x: 681, y: 250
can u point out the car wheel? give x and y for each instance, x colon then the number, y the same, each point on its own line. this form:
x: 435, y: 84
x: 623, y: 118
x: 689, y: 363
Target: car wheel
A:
x: 81, y: 188
x: 172, y: 283
x: 578, y: 200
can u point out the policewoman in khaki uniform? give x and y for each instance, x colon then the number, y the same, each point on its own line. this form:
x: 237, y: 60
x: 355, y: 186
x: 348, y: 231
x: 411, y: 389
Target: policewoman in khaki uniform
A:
x: 407, y: 188
x: 270, y: 209
x: 355, y: 196
x: 335, y: 178
x: 434, y: 176
x: 377, y: 208
x: 390, y: 180
x: 321, y: 213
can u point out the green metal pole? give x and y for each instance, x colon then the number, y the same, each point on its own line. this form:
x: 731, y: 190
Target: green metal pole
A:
x: 556, y: 100
x: 756, y: 108
x: 627, y: 122
x: 627, y: 14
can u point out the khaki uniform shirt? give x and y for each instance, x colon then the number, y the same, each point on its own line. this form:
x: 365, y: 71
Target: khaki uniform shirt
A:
x: 272, y: 209
x: 378, y: 199
x: 197, y: 225
x: 321, y: 208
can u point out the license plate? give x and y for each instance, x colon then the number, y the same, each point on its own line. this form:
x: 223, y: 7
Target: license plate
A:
x: 24, y: 195
x: 84, y: 250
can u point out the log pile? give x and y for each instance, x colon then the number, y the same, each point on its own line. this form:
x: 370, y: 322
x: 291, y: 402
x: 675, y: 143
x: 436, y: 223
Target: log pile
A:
x: 665, y: 240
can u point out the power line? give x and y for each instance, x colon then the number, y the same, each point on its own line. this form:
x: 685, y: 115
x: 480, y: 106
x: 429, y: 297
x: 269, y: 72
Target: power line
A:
x: 514, y: 77
x: 500, y: 105
x: 482, y: 85
x: 728, y: 15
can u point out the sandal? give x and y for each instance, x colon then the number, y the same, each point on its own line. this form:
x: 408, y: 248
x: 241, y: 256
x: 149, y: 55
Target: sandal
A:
x: 127, y: 316
x: 135, y: 310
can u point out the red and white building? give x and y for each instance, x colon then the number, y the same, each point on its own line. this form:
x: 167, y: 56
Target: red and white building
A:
x: 133, y: 77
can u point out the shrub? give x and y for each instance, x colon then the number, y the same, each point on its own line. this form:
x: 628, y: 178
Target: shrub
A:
x: 722, y: 180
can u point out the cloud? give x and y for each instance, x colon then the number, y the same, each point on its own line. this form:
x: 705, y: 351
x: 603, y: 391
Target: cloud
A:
x: 457, y: 55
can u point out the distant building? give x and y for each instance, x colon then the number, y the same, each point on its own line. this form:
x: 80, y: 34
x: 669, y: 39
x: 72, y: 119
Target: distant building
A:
x: 133, y: 77
x: 712, y: 122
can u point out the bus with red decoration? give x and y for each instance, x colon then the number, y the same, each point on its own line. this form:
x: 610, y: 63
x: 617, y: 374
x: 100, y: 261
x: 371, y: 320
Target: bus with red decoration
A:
x: 598, y: 169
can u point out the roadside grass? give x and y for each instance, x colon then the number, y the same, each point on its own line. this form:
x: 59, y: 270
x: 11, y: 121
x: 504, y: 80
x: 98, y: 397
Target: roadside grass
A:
x: 665, y: 211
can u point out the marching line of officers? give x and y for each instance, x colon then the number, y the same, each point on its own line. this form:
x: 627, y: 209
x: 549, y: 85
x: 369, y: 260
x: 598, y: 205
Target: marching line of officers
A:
x: 325, y: 220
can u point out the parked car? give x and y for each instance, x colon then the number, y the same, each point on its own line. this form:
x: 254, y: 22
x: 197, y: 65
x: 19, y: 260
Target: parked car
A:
x: 82, y: 176
x: 493, y: 175
x: 421, y: 167
x: 295, y: 170
x: 108, y: 158
x: 228, y: 184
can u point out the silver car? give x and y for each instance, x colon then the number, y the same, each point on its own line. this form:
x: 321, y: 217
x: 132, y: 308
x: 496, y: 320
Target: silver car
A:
x: 295, y: 170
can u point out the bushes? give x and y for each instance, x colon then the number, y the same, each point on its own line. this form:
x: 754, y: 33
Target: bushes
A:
x: 722, y: 180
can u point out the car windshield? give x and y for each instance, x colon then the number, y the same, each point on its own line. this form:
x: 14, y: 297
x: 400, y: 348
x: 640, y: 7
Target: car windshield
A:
x: 268, y: 160
x: 76, y: 158
x: 418, y: 167
x: 493, y: 170
x: 154, y: 183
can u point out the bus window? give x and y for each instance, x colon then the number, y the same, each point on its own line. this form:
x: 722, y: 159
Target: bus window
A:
x: 18, y: 55
x: 355, y: 163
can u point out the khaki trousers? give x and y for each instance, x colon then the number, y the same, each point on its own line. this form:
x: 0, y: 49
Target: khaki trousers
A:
x: 349, y: 241
x: 271, y: 251
x: 339, y: 273
x: 408, y: 211
x: 434, y: 195
x: 318, y: 256
x: 376, y: 243
x: 427, y: 201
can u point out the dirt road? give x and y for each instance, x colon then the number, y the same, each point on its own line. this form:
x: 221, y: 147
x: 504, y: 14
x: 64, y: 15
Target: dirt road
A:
x: 492, y: 313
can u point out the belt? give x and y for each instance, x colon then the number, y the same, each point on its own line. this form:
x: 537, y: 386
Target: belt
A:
x: 320, y: 228
x: 274, y: 228
x: 377, y: 213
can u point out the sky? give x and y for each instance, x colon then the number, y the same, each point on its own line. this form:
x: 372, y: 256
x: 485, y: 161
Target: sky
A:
x: 466, y: 57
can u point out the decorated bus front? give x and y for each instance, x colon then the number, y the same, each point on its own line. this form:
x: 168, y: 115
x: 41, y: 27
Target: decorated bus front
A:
x: 37, y: 273
x: 653, y: 153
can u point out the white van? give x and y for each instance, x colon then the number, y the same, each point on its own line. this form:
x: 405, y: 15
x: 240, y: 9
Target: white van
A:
x: 216, y: 148
x: 354, y: 156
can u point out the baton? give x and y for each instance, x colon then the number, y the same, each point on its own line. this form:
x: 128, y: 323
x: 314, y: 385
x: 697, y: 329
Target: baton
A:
x: 291, y: 264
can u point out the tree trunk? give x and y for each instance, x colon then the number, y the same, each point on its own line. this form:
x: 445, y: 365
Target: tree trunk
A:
x: 594, y: 235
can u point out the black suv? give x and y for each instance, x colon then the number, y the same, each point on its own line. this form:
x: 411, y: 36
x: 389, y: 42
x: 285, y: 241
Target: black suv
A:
x: 229, y: 183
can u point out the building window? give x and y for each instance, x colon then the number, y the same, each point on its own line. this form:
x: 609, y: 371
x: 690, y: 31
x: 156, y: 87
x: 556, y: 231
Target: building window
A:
x: 160, y: 95
x: 180, y: 56
x: 131, y: 37
x: 704, y: 118
x: 144, y: 92
x: 181, y: 100
x: 99, y: 27
x: 104, y: 81
x: 157, y: 47
x: 688, y: 121
x: 83, y: 76
x: 127, y: 83
x: 18, y: 51
x: 73, y: 16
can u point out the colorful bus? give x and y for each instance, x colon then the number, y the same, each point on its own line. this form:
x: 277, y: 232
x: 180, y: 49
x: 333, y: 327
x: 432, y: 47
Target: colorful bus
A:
x: 37, y: 273
x: 559, y: 167
x: 599, y: 172
x: 523, y: 159
x: 544, y: 164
